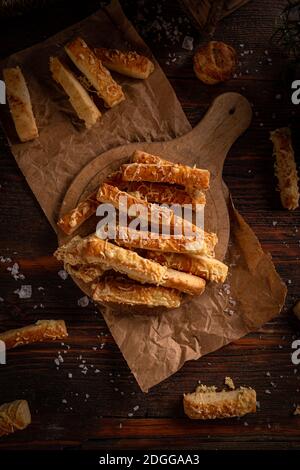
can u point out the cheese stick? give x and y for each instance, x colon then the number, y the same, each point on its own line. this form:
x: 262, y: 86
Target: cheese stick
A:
x: 111, y: 194
x: 127, y: 63
x: 197, y: 196
x: 41, y: 331
x: 172, y: 174
x: 123, y: 292
x: 93, y: 250
x: 164, y: 194
x: 98, y: 75
x: 14, y: 416
x: 86, y: 273
x: 285, y: 168
x: 19, y: 102
x: 78, y: 96
x: 134, y: 239
x: 209, y: 268
x: 207, y: 403
x: 74, y: 218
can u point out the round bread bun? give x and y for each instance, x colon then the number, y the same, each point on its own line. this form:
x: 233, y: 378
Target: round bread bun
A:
x: 215, y: 62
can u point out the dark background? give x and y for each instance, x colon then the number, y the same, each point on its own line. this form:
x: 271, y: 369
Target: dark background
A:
x: 91, y: 410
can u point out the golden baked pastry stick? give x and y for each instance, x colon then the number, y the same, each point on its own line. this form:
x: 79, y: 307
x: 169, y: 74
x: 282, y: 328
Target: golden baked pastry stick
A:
x: 14, y: 416
x: 125, y: 292
x: 172, y: 174
x: 204, y: 266
x: 111, y: 194
x: 206, y: 403
x: 19, y: 102
x: 72, y: 220
x: 130, y: 63
x: 164, y: 194
x: 285, y: 168
x: 98, y: 75
x: 138, y: 239
x: 197, y: 196
x: 78, y: 96
x: 93, y: 250
x: 41, y: 331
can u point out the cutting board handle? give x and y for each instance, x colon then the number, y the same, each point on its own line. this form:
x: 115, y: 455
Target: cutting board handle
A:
x: 227, y: 118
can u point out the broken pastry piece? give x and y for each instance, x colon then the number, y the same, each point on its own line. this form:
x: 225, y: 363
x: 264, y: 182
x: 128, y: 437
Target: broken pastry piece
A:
x: 125, y: 292
x: 98, y: 75
x: 207, y: 403
x: 78, y: 96
x: 200, y: 265
x: 14, y: 416
x: 19, y: 102
x: 215, y: 62
x: 130, y: 63
x: 285, y: 168
x: 41, y: 331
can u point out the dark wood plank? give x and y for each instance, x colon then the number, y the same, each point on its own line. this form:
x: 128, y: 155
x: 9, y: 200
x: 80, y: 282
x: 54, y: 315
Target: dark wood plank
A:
x: 262, y: 359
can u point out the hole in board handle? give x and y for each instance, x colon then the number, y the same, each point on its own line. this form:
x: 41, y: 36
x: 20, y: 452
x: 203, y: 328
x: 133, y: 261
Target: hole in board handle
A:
x: 232, y: 110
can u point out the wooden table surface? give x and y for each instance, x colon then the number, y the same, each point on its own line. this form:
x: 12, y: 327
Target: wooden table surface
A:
x: 71, y: 409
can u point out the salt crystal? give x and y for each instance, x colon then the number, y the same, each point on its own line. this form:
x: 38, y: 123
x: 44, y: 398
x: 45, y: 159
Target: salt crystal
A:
x: 278, y: 96
x: 274, y: 223
x: 56, y: 361
x: 1, y: 299
x: 268, y: 392
x: 130, y: 415
x: 63, y: 274
x: 70, y: 375
x: 83, y: 301
x: 25, y: 292
x: 64, y: 400
x: 188, y: 43
x: 136, y: 408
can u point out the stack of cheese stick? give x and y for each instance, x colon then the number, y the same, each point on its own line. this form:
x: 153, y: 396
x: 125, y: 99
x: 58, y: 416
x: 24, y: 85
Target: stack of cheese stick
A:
x: 153, y: 269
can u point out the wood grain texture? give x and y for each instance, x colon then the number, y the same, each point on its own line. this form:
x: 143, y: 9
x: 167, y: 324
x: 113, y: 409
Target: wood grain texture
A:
x: 256, y: 360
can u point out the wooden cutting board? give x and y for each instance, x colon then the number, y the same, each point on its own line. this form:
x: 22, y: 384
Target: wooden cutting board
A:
x: 205, y: 146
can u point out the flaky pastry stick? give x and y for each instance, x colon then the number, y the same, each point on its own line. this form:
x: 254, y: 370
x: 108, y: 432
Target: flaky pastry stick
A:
x: 111, y: 194
x: 207, y: 403
x: 123, y: 292
x: 197, y: 196
x: 93, y: 250
x: 130, y: 63
x: 14, y: 416
x: 209, y: 268
x: 98, y: 75
x: 19, y: 102
x: 41, y: 331
x: 78, y: 96
x: 72, y: 220
x: 172, y: 174
x: 164, y: 194
x: 285, y: 168
x: 138, y: 239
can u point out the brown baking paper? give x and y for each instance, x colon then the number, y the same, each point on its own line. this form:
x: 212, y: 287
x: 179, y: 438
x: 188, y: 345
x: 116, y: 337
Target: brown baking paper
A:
x: 154, y: 345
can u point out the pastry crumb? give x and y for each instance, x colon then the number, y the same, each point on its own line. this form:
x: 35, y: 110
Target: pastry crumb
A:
x: 229, y: 382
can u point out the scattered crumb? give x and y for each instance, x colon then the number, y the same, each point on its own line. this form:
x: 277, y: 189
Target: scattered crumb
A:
x: 229, y: 382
